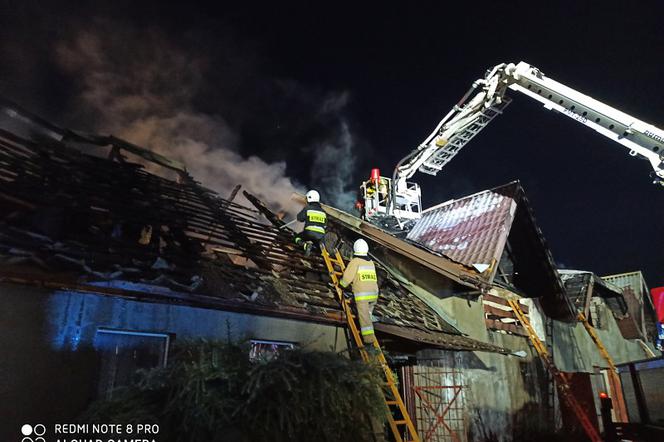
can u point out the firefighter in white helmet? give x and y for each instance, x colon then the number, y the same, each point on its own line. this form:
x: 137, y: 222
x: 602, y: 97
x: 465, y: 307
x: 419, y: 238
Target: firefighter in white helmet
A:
x: 361, y: 274
x: 315, y: 221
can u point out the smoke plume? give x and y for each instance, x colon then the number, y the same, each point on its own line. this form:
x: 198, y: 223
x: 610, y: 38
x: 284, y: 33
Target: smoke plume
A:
x: 145, y: 95
x: 141, y: 86
x: 336, y: 158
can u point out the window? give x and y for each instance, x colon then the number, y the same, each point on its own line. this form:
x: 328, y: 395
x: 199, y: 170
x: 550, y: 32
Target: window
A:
x: 266, y: 350
x: 506, y: 265
x: 123, y: 352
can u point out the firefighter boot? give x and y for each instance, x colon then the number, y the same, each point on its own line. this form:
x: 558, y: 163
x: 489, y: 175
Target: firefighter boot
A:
x: 307, y: 248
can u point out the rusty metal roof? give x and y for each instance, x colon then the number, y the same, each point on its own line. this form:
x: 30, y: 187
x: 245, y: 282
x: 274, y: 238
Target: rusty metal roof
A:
x: 632, y: 281
x: 470, y: 230
x: 474, y: 231
x: 639, y: 303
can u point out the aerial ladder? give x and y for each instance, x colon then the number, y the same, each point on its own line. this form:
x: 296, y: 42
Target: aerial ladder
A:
x: 562, y: 383
x: 400, y: 422
x: 486, y: 99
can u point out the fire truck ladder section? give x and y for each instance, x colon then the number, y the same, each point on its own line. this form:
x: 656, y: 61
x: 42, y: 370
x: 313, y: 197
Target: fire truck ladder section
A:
x: 399, y: 420
x: 564, y: 388
x: 449, y: 148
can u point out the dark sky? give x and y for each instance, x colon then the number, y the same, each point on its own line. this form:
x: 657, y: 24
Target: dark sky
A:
x: 398, y: 70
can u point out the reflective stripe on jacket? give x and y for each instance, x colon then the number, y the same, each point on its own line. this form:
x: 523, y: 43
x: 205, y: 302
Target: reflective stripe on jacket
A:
x: 367, y: 330
x: 361, y: 273
x: 313, y: 217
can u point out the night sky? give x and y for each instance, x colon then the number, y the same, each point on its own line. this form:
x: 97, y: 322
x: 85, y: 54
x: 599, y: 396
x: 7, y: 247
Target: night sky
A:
x: 372, y: 80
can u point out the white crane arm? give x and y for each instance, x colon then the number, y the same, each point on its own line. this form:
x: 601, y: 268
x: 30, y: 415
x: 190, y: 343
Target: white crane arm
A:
x: 472, y: 113
x: 486, y: 99
x: 639, y: 137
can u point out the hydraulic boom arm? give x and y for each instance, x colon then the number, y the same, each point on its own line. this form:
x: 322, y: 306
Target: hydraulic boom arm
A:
x: 487, y: 98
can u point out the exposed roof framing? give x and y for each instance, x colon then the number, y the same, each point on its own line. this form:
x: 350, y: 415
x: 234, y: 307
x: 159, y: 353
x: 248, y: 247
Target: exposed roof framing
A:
x: 76, y: 221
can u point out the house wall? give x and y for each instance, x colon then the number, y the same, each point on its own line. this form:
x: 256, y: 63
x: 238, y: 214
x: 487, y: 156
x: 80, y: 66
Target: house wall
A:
x: 504, y: 396
x: 574, y: 350
x: 49, y: 365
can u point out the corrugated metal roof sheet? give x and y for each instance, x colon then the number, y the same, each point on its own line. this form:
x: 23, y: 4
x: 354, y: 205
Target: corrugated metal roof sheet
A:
x: 475, y: 230
x: 576, y: 285
x: 635, y: 291
x: 470, y: 230
x: 638, y: 299
x: 632, y: 281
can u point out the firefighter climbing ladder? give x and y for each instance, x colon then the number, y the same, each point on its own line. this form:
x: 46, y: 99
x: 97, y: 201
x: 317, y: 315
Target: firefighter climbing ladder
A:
x: 391, y: 393
x: 561, y: 381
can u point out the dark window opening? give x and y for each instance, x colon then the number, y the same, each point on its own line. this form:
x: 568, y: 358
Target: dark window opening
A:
x: 506, y: 266
x: 266, y: 350
x: 124, y: 352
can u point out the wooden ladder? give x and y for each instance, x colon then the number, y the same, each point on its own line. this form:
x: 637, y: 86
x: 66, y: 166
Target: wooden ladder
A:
x: 564, y: 388
x: 612, y: 372
x: 598, y: 342
x: 398, y: 418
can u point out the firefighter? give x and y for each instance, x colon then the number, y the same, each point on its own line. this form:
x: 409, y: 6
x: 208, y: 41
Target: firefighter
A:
x: 361, y: 274
x: 315, y: 221
x: 382, y: 191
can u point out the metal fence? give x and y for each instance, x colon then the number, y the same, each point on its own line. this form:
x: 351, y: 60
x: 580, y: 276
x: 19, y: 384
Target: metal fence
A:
x: 437, y: 402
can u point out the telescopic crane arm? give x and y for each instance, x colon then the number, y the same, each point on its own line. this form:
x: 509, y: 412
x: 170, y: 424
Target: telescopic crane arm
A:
x: 487, y: 98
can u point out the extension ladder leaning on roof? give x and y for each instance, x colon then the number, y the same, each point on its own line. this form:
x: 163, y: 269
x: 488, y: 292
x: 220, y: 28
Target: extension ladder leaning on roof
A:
x: 564, y: 388
x: 397, y: 414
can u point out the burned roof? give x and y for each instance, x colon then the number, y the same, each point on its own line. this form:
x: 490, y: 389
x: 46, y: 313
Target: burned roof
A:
x: 495, y: 232
x: 582, y: 285
x: 639, y: 304
x: 77, y: 221
x: 633, y: 281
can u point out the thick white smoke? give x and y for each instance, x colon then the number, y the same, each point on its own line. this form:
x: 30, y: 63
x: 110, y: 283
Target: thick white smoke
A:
x: 140, y: 88
x: 333, y: 167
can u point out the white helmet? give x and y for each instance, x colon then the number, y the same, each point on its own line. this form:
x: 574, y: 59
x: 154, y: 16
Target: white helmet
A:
x: 313, y: 196
x: 360, y: 247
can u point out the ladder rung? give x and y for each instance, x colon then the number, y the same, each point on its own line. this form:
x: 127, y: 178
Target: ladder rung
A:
x: 401, y: 422
x: 392, y: 402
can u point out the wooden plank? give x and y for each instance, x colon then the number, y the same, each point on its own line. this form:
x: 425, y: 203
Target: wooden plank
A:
x: 509, y: 327
x: 501, y: 301
x: 438, y: 339
x: 491, y: 310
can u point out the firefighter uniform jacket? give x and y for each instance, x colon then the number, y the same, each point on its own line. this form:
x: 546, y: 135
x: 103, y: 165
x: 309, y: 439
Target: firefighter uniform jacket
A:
x: 314, y: 218
x: 361, y: 273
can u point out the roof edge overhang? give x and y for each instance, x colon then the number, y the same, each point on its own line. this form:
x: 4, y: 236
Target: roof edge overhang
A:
x: 437, y: 263
x: 160, y: 295
x: 176, y: 298
x: 439, y: 340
